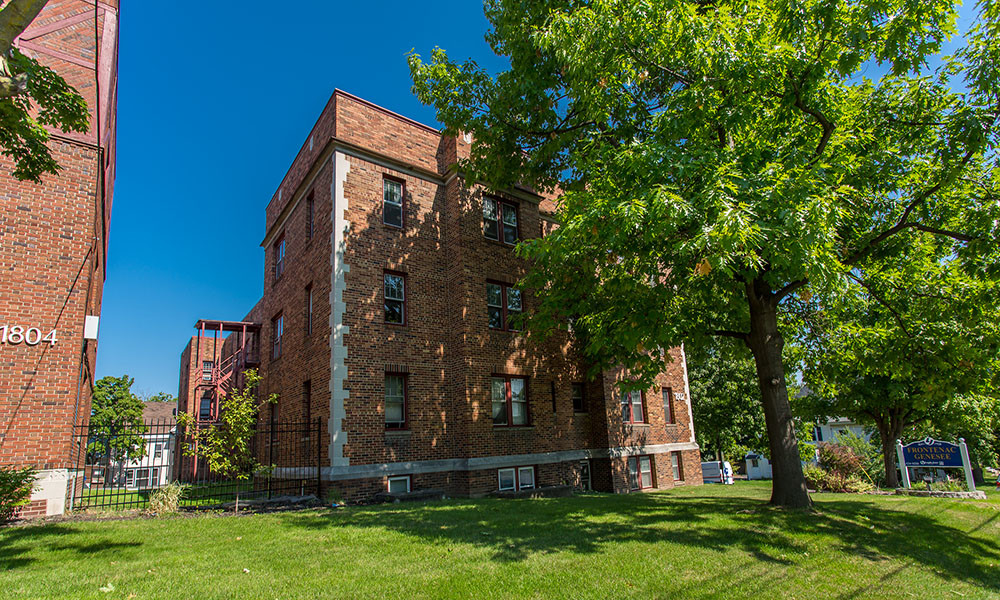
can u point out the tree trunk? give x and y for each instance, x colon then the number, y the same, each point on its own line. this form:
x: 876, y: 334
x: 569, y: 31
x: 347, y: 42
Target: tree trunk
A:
x: 888, y: 449
x: 788, y: 487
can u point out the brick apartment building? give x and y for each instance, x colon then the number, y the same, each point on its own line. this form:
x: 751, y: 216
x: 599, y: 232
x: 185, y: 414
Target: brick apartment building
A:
x: 53, y: 247
x: 389, y: 312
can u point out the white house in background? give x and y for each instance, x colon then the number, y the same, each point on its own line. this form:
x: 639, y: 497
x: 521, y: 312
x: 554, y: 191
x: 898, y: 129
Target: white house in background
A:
x: 828, y: 432
x: 758, y: 467
x: 154, y: 469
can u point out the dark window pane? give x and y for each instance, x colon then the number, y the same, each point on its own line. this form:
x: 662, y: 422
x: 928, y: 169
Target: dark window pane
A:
x: 392, y: 214
x: 491, y: 228
x: 496, y: 317
x: 393, y: 311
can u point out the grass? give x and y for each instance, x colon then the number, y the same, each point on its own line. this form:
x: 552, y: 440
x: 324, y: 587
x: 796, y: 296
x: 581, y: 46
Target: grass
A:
x: 699, y: 542
x: 198, y: 494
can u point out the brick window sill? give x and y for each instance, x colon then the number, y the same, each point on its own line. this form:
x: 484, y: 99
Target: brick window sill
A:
x: 397, y: 433
x: 514, y: 428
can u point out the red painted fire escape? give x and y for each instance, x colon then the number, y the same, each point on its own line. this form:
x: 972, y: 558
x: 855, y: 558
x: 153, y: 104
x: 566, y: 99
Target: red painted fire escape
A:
x: 232, y: 356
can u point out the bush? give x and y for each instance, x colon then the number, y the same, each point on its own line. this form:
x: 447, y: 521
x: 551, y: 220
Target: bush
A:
x: 834, y: 481
x: 814, y: 477
x: 167, y: 499
x: 840, y: 459
x: 870, y: 453
x: 16, y: 486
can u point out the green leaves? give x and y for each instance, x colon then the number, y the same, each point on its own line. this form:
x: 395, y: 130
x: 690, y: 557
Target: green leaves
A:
x: 116, y: 424
x: 47, y: 101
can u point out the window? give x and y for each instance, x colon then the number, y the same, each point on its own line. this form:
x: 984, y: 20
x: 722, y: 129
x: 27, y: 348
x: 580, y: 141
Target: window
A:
x: 818, y: 433
x: 279, y: 257
x: 310, y: 216
x: 395, y: 401
x: 516, y: 478
x: 640, y: 472
x: 394, y: 292
x: 503, y: 306
x: 309, y: 309
x: 632, y: 407
x: 157, y: 451
x: 668, y: 405
x: 510, y: 401
x: 399, y: 485
x: 392, y: 202
x: 500, y: 220
x: 277, y: 330
x: 154, y: 477
x: 579, y: 405
x: 205, y: 409
x: 678, y: 466
x: 206, y: 370
x: 142, y: 478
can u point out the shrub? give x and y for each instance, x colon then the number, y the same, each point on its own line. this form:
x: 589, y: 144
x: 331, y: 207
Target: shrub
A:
x: 16, y: 486
x: 167, y: 499
x: 870, y: 453
x: 840, y: 459
x: 814, y: 477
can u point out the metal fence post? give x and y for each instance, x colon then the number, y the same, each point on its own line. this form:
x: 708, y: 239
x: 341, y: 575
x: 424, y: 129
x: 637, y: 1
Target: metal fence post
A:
x: 319, y: 469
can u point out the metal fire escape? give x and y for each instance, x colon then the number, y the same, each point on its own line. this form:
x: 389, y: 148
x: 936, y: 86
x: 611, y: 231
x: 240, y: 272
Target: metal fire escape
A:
x: 231, y: 357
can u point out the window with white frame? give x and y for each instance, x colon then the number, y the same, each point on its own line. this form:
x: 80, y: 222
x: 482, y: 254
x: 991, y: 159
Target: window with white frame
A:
x: 392, y: 202
x: 395, y: 401
x: 394, y: 296
x: 277, y: 331
x: 678, y: 466
x: 206, y: 370
x: 279, y: 257
x: 668, y: 405
x: 399, y: 484
x: 516, y: 478
x: 509, y: 397
x: 157, y: 451
x: 142, y: 478
x: 632, y: 411
x: 500, y: 220
x: 640, y: 472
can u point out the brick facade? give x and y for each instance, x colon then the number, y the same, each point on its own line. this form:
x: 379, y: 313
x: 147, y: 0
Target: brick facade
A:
x: 327, y: 214
x: 53, y: 245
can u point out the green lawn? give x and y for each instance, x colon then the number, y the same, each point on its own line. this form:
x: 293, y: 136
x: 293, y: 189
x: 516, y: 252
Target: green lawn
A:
x: 703, y: 542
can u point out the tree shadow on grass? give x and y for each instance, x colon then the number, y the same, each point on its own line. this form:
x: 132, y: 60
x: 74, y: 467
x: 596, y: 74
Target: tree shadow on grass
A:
x: 514, y: 530
x: 17, y: 542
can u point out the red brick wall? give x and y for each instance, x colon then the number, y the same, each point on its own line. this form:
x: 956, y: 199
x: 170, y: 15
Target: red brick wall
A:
x: 53, y: 241
x: 446, y: 348
x: 188, y: 394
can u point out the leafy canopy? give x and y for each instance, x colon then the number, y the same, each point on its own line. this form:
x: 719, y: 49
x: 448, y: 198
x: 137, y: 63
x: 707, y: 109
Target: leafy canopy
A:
x: 116, y: 424
x: 32, y: 97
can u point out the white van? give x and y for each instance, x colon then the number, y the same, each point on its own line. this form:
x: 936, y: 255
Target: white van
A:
x: 717, y: 472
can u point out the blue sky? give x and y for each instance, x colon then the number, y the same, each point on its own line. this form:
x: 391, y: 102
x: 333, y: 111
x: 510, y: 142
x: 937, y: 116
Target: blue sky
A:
x: 212, y: 107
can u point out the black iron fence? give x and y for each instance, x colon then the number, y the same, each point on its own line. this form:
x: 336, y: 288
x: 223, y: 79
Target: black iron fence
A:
x: 120, y: 468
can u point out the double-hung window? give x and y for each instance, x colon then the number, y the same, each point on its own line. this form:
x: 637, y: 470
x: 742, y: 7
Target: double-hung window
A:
x: 516, y: 478
x: 394, y: 292
x: 310, y: 216
x: 277, y: 331
x: 279, y: 257
x: 500, y: 220
x: 206, y: 370
x: 678, y: 466
x: 392, y: 202
x: 579, y: 402
x: 509, y: 397
x: 205, y: 408
x: 640, y: 472
x: 503, y: 306
x: 632, y: 407
x: 668, y: 405
x: 309, y: 309
x: 395, y: 401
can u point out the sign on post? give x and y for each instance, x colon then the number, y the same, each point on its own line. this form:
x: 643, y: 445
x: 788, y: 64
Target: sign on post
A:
x: 934, y: 454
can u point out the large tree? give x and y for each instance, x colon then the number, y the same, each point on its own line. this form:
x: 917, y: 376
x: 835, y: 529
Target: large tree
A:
x: 725, y: 402
x: 715, y: 158
x: 32, y: 97
x: 116, y: 424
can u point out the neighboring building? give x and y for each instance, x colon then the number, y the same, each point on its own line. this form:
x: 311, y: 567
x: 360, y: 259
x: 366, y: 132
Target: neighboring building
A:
x: 199, y: 361
x: 155, y: 468
x: 53, y: 257
x: 389, y: 312
x: 757, y: 466
x: 828, y: 432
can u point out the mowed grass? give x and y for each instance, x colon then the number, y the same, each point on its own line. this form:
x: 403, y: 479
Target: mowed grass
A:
x: 698, y: 542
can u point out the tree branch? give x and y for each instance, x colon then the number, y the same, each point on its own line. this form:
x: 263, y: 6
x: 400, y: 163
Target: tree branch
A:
x: 905, y: 223
x: 827, y: 125
x: 730, y: 334
x: 15, y: 16
x: 788, y: 289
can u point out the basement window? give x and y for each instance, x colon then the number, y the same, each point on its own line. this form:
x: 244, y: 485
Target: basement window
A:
x: 516, y: 478
x: 399, y: 485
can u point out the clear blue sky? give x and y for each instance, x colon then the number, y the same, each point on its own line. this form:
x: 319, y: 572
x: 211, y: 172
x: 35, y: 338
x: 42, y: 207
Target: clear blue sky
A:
x: 212, y: 107
x: 213, y: 104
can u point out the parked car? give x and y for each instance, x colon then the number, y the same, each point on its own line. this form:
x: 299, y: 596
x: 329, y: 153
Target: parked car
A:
x: 717, y: 472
